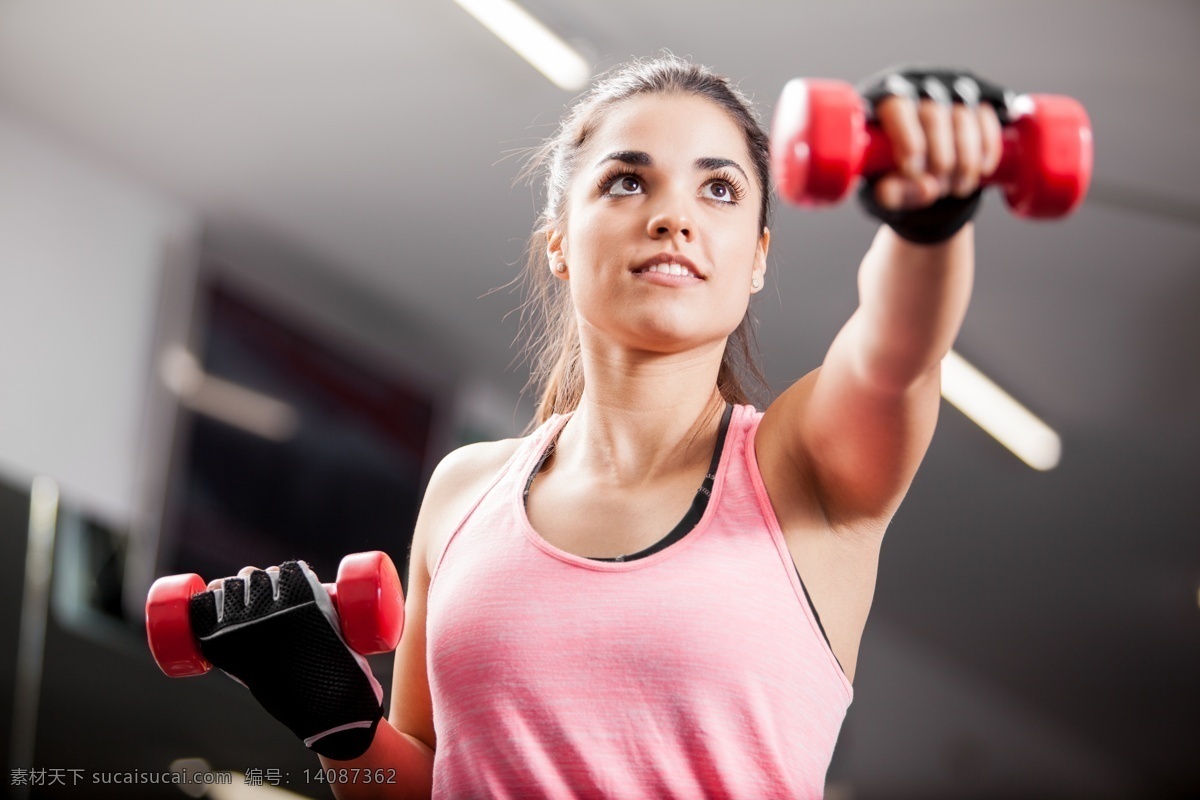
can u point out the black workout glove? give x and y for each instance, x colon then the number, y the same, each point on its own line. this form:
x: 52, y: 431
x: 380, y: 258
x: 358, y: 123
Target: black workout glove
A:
x: 278, y: 635
x: 944, y: 218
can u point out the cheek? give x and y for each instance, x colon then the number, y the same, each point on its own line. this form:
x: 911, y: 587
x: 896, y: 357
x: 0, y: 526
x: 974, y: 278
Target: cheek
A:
x: 741, y: 254
x: 739, y: 251
x: 737, y: 301
x: 594, y: 240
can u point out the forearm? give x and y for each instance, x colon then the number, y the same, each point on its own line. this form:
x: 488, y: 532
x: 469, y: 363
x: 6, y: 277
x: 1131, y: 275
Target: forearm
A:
x: 912, y: 302
x: 404, y: 762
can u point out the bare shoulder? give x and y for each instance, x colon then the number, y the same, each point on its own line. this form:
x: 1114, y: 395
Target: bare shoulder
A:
x: 457, y: 482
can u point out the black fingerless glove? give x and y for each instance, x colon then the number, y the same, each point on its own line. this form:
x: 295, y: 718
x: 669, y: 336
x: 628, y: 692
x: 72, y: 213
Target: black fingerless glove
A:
x: 944, y: 218
x: 279, y: 636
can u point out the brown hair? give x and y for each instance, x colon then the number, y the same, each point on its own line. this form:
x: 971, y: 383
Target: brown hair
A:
x: 547, y: 316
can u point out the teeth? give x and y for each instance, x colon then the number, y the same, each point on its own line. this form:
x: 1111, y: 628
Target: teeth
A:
x: 670, y: 269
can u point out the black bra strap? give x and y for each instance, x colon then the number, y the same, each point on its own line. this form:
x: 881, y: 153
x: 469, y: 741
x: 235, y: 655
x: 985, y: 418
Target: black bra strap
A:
x: 699, y: 502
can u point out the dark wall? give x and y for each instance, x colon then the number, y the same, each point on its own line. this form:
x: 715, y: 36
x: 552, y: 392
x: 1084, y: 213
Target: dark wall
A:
x: 104, y: 706
x: 14, y: 522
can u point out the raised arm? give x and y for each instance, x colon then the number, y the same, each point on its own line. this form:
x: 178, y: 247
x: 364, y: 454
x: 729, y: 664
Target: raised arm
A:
x: 854, y: 431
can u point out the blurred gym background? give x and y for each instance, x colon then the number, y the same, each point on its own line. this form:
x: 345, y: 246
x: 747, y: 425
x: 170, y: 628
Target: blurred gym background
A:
x: 247, y: 254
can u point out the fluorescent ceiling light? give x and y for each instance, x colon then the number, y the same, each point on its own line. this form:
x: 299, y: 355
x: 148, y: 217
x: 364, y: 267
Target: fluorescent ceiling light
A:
x: 992, y: 409
x: 532, y: 40
x: 43, y: 503
x: 253, y: 412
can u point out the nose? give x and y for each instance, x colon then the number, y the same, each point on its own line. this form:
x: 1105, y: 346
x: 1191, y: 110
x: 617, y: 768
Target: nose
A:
x: 671, y: 220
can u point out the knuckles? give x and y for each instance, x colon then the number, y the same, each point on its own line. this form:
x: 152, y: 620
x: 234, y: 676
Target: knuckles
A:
x: 262, y: 589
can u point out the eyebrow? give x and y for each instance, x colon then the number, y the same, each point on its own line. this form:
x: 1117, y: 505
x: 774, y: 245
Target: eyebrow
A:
x: 639, y: 158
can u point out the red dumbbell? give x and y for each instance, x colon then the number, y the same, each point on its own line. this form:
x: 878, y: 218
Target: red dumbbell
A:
x: 821, y: 143
x: 368, y: 598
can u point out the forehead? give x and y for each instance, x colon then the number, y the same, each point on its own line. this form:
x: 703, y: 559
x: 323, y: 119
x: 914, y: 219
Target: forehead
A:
x: 669, y: 126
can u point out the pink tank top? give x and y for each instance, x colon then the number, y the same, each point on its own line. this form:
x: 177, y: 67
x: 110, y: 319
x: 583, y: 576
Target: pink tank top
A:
x: 696, y: 672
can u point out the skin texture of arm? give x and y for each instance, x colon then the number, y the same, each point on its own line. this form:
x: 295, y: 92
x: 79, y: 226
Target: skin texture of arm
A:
x: 858, y: 426
x: 840, y: 447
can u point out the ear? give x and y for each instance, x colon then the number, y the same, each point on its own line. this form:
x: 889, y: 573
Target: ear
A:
x: 556, y: 251
x: 760, y: 254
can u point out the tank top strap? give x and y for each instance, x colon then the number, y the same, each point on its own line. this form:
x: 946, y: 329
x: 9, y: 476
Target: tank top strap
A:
x: 502, y: 484
x: 534, y: 449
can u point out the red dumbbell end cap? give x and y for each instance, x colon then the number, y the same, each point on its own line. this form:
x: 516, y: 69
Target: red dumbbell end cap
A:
x: 818, y: 141
x: 169, y: 626
x: 789, y: 146
x: 1056, y: 154
x: 370, y: 602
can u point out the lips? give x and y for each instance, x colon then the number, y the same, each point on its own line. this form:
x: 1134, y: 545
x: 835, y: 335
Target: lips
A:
x: 670, y: 264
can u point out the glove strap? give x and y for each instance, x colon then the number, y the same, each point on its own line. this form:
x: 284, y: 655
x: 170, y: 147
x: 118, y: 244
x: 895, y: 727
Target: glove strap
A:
x: 931, y: 225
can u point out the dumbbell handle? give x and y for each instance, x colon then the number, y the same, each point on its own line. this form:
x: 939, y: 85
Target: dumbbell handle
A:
x: 879, y: 156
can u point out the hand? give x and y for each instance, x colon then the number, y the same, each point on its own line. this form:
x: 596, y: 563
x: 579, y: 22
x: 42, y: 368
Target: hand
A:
x: 943, y: 149
x: 277, y: 632
x: 945, y: 128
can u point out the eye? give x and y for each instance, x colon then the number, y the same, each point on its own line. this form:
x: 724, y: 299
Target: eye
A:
x: 721, y: 190
x: 623, y: 184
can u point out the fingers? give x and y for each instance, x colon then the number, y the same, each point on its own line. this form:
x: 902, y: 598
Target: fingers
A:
x: 938, y: 128
x: 248, y: 596
x: 911, y: 185
x: 940, y: 149
x: 991, y: 137
x: 923, y: 147
x: 899, y: 120
x: 898, y: 192
x: 248, y: 587
x: 253, y: 591
x: 968, y: 151
x: 244, y: 572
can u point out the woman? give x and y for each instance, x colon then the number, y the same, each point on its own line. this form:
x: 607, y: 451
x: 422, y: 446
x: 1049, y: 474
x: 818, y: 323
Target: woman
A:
x: 557, y: 643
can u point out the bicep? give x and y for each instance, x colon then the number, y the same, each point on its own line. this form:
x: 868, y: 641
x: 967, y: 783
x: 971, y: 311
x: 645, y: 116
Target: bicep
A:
x: 856, y: 443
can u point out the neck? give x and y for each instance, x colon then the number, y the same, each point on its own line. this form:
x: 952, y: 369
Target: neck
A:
x: 644, y: 417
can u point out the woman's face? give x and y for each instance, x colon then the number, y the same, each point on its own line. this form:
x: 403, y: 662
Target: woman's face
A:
x: 661, y: 237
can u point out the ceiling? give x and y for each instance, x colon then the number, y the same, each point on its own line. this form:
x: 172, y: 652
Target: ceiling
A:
x: 383, y: 139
